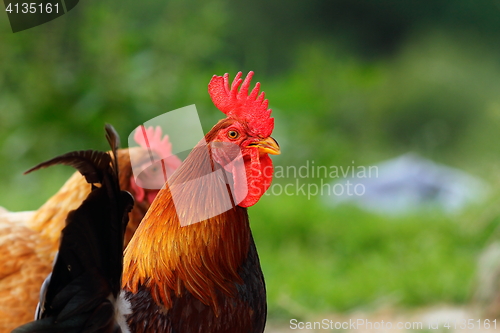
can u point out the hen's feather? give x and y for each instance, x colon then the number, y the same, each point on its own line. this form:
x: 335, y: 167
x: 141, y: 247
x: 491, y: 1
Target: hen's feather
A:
x: 22, y: 269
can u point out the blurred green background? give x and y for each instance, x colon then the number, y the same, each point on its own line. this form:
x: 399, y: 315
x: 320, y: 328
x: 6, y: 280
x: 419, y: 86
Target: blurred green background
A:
x: 348, y: 80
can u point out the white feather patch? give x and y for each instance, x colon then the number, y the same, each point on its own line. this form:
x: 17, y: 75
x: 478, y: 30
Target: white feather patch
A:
x: 122, y: 309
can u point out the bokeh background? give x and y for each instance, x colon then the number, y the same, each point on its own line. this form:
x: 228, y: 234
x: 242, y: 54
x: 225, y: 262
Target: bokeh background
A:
x: 350, y: 82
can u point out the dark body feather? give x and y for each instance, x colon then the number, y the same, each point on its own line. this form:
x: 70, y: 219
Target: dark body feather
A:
x: 244, y: 313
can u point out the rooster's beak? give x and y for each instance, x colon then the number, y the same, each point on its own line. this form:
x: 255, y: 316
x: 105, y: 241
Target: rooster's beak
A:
x: 267, y: 146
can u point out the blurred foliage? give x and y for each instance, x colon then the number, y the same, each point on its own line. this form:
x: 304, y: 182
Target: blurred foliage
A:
x: 348, y: 80
x: 347, y: 259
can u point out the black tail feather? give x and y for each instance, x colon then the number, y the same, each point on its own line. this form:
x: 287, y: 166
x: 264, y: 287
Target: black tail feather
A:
x: 90, y: 163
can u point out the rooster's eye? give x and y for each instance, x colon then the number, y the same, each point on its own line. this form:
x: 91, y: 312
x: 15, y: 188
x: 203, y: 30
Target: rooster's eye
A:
x: 233, y: 134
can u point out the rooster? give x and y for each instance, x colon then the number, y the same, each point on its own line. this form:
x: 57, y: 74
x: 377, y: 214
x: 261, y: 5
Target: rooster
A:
x: 82, y: 292
x: 192, y: 265
x: 30, y: 240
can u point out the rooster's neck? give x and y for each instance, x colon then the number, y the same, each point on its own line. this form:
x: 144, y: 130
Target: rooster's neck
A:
x: 202, y: 258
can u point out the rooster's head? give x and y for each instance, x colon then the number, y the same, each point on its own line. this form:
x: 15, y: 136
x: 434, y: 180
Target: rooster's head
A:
x: 248, y: 127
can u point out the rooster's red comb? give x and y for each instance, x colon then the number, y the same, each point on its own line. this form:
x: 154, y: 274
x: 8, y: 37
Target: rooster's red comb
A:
x: 151, y: 138
x: 238, y: 105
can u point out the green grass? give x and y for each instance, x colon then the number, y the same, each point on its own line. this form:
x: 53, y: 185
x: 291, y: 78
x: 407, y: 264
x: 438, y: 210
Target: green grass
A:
x: 319, y: 259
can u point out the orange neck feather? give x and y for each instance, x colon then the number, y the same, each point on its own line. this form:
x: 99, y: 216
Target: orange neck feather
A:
x: 203, y: 257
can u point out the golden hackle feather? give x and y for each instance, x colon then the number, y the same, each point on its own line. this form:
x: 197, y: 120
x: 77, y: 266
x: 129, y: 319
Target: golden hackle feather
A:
x: 166, y: 257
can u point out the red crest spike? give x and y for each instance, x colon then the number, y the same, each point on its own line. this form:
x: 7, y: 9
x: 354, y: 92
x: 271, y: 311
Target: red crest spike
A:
x: 237, y: 104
